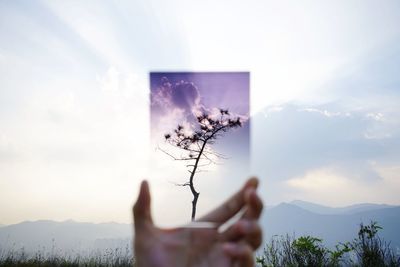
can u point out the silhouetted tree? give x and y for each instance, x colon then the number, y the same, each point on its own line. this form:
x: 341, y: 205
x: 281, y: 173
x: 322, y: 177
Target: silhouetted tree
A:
x: 195, y: 144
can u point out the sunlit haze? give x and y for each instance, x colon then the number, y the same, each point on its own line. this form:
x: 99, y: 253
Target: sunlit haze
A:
x: 75, y: 113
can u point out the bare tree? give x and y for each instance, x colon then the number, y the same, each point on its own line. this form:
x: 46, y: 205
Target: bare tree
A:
x: 195, y: 145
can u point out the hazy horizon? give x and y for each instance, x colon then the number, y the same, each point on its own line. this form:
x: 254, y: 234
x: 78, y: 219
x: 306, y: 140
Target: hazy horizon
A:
x: 293, y: 202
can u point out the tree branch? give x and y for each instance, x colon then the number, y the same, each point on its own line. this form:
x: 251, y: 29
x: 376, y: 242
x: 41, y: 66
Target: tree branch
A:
x: 173, y: 157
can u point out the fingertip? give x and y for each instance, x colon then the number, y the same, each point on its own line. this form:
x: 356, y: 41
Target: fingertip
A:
x: 142, y: 204
x: 254, y: 204
x: 252, y: 182
x: 144, y: 186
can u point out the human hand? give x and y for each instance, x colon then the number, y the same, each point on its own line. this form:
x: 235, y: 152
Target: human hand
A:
x: 198, y: 247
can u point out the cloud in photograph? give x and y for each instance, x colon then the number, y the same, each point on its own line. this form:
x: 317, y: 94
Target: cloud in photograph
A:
x: 174, y: 103
x: 178, y: 98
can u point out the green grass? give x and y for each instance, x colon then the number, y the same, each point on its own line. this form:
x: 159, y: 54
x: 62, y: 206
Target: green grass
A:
x: 367, y: 249
x: 114, y: 258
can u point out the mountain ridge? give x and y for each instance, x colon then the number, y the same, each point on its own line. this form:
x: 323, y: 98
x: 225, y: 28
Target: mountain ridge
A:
x: 323, y: 209
x: 282, y: 219
x: 332, y: 228
x: 66, y: 235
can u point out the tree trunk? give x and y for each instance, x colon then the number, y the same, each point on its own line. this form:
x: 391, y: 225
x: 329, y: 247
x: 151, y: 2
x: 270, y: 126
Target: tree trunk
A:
x: 194, y: 205
x: 194, y: 192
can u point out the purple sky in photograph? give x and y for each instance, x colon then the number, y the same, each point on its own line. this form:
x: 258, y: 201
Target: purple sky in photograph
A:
x: 201, y: 91
x: 216, y: 89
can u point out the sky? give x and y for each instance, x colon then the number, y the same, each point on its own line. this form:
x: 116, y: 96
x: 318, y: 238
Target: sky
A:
x: 178, y: 98
x: 74, y: 100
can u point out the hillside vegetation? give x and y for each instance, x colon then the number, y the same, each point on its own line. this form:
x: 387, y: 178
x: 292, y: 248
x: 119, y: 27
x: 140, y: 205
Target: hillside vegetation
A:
x: 367, y: 249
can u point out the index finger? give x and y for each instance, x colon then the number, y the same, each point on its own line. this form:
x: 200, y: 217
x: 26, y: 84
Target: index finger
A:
x: 254, y: 205
x: 232, y: 206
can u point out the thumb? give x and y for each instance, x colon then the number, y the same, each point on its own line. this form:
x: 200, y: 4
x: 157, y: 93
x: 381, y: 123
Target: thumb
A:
x: 141, y: 209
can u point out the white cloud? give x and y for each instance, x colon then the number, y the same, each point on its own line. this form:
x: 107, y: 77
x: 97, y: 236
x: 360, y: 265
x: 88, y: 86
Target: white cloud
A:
x: 330, y: 186
x: 297, y: 144
x: 382, y: 125
x: 374, y: 135
x: 266, y: 112
x: 375, y: 116
x: 326, y: 113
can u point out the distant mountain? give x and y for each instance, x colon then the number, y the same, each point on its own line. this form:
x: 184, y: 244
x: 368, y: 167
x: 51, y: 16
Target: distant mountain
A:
x: 320, y: 209
x: 333, y: 225
x: 332, y: 228
x: 64, y: 236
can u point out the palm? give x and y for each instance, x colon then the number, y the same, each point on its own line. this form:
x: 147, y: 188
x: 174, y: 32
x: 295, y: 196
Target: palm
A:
x: 198, y: 247
x: 184, y: 247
